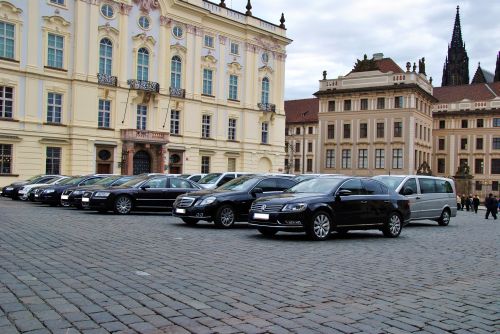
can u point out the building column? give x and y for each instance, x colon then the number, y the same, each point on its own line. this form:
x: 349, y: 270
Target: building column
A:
x: 130, y: 159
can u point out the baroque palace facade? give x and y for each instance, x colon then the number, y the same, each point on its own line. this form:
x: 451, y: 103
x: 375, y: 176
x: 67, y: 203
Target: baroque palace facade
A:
x: 122, y: 86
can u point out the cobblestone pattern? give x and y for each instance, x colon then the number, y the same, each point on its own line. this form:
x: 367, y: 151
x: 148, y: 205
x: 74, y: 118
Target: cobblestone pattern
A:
x: 68, y: 271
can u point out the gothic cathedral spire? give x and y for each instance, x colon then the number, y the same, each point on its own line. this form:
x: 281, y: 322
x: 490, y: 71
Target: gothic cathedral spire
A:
x: 456, y: 66
x: 497, y: 69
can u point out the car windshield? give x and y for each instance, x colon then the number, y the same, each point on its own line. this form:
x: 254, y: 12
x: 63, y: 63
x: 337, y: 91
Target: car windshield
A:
x: 390, y: 181
x: 135, y: 181
x: 56, y: 180
x: 210, y: 178
x: 33, y: 178
x: 107, y: 180
x: 75, y: 181
x: 317, y: 185
x: 66, y: 180
x: 243, y: 183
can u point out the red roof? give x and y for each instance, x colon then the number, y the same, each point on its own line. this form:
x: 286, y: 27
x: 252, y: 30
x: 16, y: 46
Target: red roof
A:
x: 475, y: 92
x: 388, y: 65
x: 295, y: 109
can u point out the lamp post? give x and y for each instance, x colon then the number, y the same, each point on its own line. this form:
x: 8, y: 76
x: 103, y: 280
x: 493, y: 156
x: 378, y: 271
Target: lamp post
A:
x: 304, y: 140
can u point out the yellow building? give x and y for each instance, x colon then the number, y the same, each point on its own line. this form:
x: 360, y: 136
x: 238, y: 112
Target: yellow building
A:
x: 138, y: 86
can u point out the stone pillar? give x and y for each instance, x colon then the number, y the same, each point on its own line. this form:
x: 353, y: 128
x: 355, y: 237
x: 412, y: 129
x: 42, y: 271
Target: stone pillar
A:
x: 130, y: 159
x: 161, y: 157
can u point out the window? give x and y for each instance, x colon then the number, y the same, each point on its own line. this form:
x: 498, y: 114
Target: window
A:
x: 105, y: 56
x: 363, y: 158
x: 54, y: 108
x: 265, y: 132
x: 354, y: 186
x: 379, y: 158
x: 363, y: 130
x: 177, y: 31
x: 397, y: 158
x: 296, y: 165
x: 427, y: 186
x: 107, y: 11
x: 143, y: 64
x: 398, y: 129
x: 381, y: 103
x: 157, y: 183
x: 441, y: 166
x: 346, y: 158
x: 465, y: 124
x: 479, y: 186
x: 331, y: 105
x: 207, y: 82
x: 442, y: 124
x: 235, y: 48
x: 398, y: 102
x: 6, y: 101
x: 233, y: 87
x: 347, y: 131
x: 142, y: 117
x: 6, y: 40
x: 265, y: 91
x: 463, y: 162
x: 104, y: 115
x: 495, y: 166
x: 479, y: 166
x: 380, y: 130
x: 463, y: 143
x: 331, y: 131
x: 205, y: 165
x: 494, y: 185
x: 205, y: 126
x: 231, y: 130
x: 309, y: 165
x: 208, y: 41
x: 310, y: 130
x: 441, y: 144
x: 364, y: 104
x: 55, y: 51
x: 265, y: 57
x: 176, y: 72
x: 297, y: 131
x: 297, y: 147
x: 5, y: 159
x: 175, y: 119
x: 178, y: 182
x: 330, y: 158
x: 231, y: 164
x: 53, y: 160
x: 309, y: 147
x: 57, y: 2
x: 496, y: 122
x: 144, y: 22
x: 347, y: 105
x: 372, y: 187
x: 496, y: 143
x: 480, y: 123
x: 479, y: 143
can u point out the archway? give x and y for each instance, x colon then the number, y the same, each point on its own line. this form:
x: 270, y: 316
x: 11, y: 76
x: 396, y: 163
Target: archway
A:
x: 142, y: 162
x: 265, y: 165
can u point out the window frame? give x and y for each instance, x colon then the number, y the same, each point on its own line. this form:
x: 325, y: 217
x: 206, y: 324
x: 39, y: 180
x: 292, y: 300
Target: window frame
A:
x: 175, y: 120
x: 105, y: 56
x: 176, y: 72
x: 398, y: 129
x: 330, y: 158
x: 233, y: 87
x: 265, y: 89
x: 54, y: 111
x: 57, y: 59
x: 104, y: 114
x: 142, y: 117
x: 143, y: 61
x: 363, y: 130
x: 208, y: 41
x: 53, y: 160
x: 5, y: 38
x: 6, y: 158
x: 397, y: 158
x: 234, y: 47
x: 379, y: 158
x: 380, y: 130
x: 231, y: 128
x: 6, y: 103
x: 205, y: 164
x: 208, y: 75
x: 362, y: 158
x: 264, y: 133
x: 330, y: 131
x: 346, y: 161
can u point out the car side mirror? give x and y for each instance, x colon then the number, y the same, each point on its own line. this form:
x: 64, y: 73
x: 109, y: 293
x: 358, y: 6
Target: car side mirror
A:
x: 344, y: 192
x: 407, y: 191
x: 257, y: 191
x: 145, y: 187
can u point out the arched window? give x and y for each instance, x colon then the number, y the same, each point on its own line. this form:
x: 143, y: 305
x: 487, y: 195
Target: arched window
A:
x: 143, y: 64
x: 105, y: 56
x: 265, y: 91
x: 176, y: 72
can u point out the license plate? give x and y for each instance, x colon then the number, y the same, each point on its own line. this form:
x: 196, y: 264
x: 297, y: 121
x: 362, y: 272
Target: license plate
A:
x: 261, y: 216
x: 36, y: 195
x: 64, y: 196
x: 180, y: 210
x: 85, y: 199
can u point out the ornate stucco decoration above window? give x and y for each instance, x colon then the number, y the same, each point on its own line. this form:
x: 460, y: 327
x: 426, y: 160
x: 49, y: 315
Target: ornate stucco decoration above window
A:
x: 265, y: 70
x: 147, y: 5
x: 108, y: 29
x: 272, y: 44
x: 234, y: 68
x: 166, y: 21
x: 56, y: 20
x: 209, y: 61
x: 145, y: 39
x: 222, y: 40
x: 178, y: 48
x: 8, y: 7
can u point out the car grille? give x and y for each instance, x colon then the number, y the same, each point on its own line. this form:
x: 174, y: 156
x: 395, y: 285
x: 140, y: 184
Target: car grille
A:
x: 185, y: 202
x: 67, y: 192
x: 262, y: 207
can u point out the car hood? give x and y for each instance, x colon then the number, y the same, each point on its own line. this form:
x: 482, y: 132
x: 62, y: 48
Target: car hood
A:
x: 292, y: 198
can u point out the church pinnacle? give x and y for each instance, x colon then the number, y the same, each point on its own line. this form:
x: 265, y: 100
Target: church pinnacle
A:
x: 456, y: 66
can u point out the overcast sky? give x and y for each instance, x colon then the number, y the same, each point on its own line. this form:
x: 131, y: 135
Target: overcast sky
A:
x: 331, y: 34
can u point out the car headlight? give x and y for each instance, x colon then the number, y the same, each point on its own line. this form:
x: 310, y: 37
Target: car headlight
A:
x: 101, y: 194
x: 206, y: 201
x: 49, y: 191
x: 294, y: 207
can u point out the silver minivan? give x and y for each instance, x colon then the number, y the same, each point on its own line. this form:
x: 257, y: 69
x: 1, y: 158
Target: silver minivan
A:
x: 430, y: 197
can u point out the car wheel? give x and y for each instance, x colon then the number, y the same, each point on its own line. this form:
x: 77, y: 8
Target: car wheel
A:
x: 393, y: 227
x: 444, y: 220
x: 123, y: 205
x: 225, y: 217
x: 268, y: 232
x: 319, y: 227
x: 190, y: 221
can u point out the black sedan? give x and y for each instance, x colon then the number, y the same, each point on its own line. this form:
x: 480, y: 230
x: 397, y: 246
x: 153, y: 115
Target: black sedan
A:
x: 154, y: 192
x: 320, y: 206
x: 12, y: 189
x: 230, y: 202
x: 73, y: 195
x: 52, y: 194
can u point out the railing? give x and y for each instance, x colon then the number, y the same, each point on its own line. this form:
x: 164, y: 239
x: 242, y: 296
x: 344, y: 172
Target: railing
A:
x: 144, y: 136
x: 267, y: 107
x: 177, y: 92
x: 148, y: 86
x: 107, y: 80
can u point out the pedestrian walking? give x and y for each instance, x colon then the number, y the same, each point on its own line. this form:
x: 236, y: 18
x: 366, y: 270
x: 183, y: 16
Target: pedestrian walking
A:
x: 475, y: 203
x: 491, y: 204
x: 468, y: 203
x: 494, y: 207
x: 459, y: 201
x: 462, y: 202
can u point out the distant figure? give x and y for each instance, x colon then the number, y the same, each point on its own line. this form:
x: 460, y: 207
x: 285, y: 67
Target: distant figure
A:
x: 491, y: 206
x: 468, y: 203
x: 459, y: 203
x: 462, y: 202
x: 475, y: 203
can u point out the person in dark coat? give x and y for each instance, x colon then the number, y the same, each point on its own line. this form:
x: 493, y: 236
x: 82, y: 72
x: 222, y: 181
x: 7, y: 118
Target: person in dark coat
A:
x: 491, y: 204
x: 462, y: 202
x: 475, y: 203
x: 468, y: 203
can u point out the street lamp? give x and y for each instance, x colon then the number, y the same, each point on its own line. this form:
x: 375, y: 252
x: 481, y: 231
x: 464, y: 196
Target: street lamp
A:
x: 304, y: 140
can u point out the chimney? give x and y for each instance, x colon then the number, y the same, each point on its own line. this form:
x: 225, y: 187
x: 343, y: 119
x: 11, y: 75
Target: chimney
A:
x: 378, y: 56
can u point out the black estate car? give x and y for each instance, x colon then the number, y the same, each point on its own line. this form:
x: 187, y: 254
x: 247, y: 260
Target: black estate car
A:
x: 230, y: 202
x: 144, y: 191
x: 51, y: 194
x: 320, y: 206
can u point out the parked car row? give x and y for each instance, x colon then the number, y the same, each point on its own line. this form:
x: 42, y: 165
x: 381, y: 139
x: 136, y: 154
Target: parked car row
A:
x: 271, y: 203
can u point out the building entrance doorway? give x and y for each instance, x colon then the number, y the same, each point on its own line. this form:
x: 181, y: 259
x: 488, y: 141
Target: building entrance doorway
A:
x: 142, y: 162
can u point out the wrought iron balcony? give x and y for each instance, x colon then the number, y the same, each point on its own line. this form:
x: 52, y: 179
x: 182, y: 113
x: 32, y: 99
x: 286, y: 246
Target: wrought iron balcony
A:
x: 147, y: 86
x: 107, y: 80
x: 144, y: 136
x: 267, y: 107
x: 177, y: 92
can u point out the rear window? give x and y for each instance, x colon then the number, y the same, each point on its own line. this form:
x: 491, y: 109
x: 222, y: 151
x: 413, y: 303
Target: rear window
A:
x: 443, y: 186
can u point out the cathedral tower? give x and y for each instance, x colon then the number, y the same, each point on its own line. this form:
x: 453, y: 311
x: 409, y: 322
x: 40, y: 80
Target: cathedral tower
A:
x: 456, y: 66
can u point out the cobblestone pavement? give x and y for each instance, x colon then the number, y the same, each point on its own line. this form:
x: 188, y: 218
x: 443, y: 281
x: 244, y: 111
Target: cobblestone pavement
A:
x: 68, y: 271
